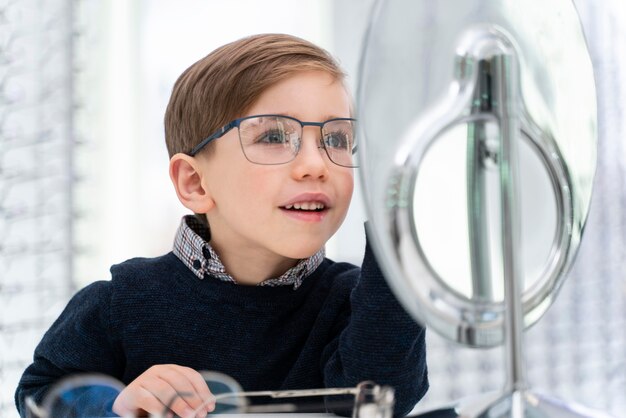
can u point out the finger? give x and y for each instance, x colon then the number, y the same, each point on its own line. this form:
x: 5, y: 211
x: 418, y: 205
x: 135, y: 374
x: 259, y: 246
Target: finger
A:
x: 201, y: 387
x: 180, y: 378
x: 139, y: 402
x: 171, y: 397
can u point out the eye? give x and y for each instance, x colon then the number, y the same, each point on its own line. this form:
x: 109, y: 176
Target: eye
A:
x: 273, y: 137
x: 338, y: 140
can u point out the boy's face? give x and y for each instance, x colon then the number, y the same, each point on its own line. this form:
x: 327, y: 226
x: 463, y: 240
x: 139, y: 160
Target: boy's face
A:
x: 250, y: 215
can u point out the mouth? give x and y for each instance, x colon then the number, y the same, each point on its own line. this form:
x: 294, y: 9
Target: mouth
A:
x: 305, y: 206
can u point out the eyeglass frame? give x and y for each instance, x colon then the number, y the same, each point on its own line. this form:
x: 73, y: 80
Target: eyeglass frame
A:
x: 235, y: 123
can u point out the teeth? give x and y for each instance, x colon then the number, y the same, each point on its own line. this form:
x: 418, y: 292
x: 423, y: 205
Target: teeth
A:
x: 306, y: 206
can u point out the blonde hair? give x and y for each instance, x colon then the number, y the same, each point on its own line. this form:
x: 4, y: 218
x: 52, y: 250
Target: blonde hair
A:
x: 223, y: 85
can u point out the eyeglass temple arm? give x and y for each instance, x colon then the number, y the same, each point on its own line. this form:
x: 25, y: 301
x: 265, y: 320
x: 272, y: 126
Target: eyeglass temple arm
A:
x: 297, y: 393
x: 213, y: 137
x: 230, y: 397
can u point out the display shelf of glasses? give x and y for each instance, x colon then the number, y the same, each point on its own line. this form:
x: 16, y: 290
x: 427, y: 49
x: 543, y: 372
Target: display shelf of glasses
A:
x: 36, y: 178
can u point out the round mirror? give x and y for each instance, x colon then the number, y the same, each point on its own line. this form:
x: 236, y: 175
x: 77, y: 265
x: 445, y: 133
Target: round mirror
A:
x: 440, y: 94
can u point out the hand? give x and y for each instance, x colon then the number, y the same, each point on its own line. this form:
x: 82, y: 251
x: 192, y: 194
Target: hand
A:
x: 161, y: 386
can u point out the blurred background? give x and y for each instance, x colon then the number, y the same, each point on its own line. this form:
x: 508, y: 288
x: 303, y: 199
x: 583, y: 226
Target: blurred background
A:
x: 84, y: 179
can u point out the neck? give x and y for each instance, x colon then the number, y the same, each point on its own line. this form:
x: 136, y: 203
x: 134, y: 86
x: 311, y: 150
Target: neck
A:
x: 251, y: 267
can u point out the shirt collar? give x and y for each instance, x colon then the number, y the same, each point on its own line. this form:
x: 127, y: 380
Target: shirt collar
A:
x: 192, y: 247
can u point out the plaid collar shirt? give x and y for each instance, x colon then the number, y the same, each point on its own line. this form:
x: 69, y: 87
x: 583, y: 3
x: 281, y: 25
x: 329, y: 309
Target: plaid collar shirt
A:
x: 192, y: 247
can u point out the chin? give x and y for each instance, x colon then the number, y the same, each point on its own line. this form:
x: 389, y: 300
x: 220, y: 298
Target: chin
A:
x: 300, y: 253
x: 300, y: 246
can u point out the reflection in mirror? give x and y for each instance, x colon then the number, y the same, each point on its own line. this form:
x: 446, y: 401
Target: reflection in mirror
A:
x: 443, y: 221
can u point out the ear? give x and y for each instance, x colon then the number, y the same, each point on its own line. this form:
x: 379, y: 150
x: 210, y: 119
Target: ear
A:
x: 186, y: 174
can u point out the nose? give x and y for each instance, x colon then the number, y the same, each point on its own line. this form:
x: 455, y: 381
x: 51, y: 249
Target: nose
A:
x: 311, y: 159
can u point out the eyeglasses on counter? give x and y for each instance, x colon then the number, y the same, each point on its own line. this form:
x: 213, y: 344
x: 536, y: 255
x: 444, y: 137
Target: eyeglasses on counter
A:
x: 92, y: 395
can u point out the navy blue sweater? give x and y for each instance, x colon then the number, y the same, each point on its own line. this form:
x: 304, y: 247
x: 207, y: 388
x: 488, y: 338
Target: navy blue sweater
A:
x: 340, y: 327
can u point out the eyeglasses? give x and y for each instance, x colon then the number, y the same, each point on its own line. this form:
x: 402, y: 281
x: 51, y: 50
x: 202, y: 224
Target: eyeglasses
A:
x: 276, y: 139
x: 93, y: 395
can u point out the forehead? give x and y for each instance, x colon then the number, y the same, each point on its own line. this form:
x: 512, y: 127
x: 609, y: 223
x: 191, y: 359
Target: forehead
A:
x: 308, y: 96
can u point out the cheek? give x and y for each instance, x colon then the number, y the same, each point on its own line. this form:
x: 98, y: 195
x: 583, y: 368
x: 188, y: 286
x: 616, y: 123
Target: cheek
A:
x: 251, y: 190
x: 239, y: 192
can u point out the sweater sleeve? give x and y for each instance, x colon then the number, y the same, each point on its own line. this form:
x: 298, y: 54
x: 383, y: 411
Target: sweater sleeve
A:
x: 378, y: 342
x: 79, y: 341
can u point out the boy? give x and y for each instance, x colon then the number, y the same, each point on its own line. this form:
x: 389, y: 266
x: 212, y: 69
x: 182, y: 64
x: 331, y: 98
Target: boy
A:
x: 246, y: 290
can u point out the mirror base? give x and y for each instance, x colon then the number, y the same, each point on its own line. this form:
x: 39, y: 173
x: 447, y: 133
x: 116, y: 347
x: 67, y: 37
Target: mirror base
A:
x: 515, y: 404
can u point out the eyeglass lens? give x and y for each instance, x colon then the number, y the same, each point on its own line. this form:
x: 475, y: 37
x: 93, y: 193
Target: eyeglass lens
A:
x: 276, y: 140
